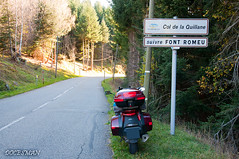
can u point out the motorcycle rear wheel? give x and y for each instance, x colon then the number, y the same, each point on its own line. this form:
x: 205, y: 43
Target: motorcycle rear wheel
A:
x: 133, y: 148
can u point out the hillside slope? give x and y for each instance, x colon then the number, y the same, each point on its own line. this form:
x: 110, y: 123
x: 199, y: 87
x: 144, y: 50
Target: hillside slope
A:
x: 19, y: 77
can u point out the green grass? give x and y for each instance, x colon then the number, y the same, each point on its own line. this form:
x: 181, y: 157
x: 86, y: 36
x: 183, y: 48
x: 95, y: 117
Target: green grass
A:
x: 162, y: 145
x: 22, y: 78
x: 110, y: 97
x: 107, y: 87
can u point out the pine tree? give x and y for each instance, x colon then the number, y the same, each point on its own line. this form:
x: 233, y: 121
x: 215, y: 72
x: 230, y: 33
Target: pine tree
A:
x: 92, y: 29
x: 99, y: 10
x: 129, y: 15
x: 104, y: 39
x: 3, y: 26
x: 6, y: 25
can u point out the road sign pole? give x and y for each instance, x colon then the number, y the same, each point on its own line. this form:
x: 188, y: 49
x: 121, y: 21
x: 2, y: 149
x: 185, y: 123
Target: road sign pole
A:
x: 173, y: 87
x: 147, y: 75
x: 173, y: 90
x: 148, y: 59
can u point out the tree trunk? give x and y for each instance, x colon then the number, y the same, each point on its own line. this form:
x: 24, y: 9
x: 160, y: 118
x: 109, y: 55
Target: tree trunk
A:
x: 88, y: 53
x: 9, y: 31
x: 133, y: 60
x: 83, y: 54
x: 74, y: 60
x: 102, y: 56
x: 55, y: 52
x: 20, y: 46
x: 52, y: 54
x: 92, y: 55
x: 57, y: 49
x: 15, y: 32
x: 42, y: 52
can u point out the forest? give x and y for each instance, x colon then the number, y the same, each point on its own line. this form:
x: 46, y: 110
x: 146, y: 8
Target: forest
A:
x: 207, y: 78
x: 32, y: 27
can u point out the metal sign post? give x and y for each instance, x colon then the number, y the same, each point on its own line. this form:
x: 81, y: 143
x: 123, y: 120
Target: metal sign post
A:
x: 173, y: 87
x: 173, y: 90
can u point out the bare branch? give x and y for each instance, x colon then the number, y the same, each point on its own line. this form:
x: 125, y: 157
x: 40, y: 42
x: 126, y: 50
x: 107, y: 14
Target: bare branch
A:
x: 218, y: 137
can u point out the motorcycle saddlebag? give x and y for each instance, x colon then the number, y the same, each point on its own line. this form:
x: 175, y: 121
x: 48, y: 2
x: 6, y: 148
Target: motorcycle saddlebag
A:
x: 129, y: 98
x: 115, y: 128
x: 148, y: 121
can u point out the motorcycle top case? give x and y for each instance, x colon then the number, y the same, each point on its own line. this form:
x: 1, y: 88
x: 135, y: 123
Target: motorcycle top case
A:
x: 129, y: 97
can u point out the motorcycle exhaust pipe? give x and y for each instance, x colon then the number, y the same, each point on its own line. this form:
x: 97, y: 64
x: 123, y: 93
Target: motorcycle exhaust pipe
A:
x: 145, y: 137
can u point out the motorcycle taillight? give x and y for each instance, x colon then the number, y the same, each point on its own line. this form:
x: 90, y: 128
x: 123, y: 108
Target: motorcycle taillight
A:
x: 141, y: 98
x: 129, y: 112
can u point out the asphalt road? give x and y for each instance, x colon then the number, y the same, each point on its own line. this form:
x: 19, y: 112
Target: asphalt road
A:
x: 66, y: 120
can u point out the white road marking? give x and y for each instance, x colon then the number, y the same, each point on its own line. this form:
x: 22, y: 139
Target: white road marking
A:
x: 58, y: 96
x: 11, y: 123
x: 63, y: 93
x: 68, y: 90
x: 43, y: 105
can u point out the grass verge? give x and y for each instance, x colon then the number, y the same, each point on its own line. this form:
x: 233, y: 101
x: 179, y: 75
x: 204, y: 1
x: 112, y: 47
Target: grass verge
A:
x: 21, y: 78
x: 161, y: 144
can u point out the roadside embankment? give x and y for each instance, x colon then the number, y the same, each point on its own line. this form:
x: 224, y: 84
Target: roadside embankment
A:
x: 161, y: 144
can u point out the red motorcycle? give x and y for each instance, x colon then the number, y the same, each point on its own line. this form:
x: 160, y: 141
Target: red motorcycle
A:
x: 130, y: 122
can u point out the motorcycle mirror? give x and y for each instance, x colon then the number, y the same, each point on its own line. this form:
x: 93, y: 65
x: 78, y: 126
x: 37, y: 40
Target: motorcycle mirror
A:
x: 142, y: 89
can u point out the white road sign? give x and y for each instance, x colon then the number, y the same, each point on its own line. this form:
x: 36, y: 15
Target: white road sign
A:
x: 175, y: 42
x: 178, y: 26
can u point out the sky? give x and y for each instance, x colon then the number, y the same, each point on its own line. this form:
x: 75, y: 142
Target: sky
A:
x: 103, y: 2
